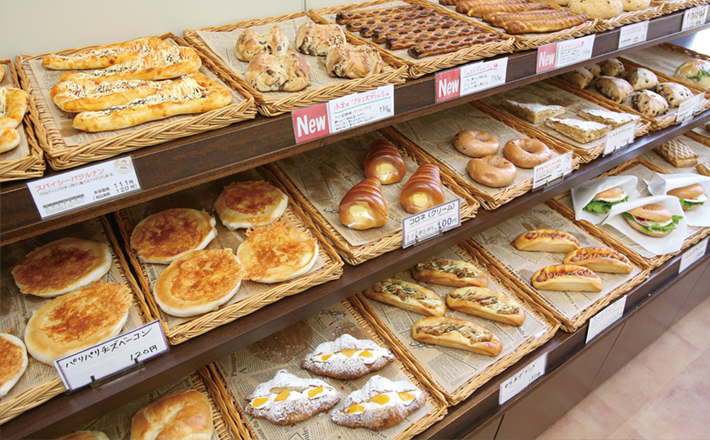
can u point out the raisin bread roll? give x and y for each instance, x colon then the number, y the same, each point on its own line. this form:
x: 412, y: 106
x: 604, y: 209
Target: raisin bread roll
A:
x: 675, y: 94
x: 267, y: 73
x: 298, y: 71
x: 316, y: 39
x: 595, y: 69
x: 250, y: 43
x: 635, y: 5
x: 579, y: 77
x: 616, y: 89
x: 642, y: 79
x: 597, y: 8
x: 277, y: 41
x: 612, y: 67
x: 649, y: 103
x: 346, y: 61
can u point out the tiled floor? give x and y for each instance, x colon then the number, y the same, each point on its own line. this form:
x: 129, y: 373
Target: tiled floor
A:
x: 663, y: 393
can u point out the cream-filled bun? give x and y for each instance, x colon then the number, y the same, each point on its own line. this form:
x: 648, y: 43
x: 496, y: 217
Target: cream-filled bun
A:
x: 691, y: 196
x: 13, y: 357
x: 250, y: 204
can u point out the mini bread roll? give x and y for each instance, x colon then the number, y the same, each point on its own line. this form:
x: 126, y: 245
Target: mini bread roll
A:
x: 642, y: 79
x: 179, y: 415
x: 595, y: 69
x: 9, y: 139
x: 635, y: 5
x: 580, y: 77
x: 674, y: 93
x: 364, y: 206
x: 612, y: 67
x: 649, y: 103
x: 423, y: 190
x: 616, y: 89
x: 546, y: 240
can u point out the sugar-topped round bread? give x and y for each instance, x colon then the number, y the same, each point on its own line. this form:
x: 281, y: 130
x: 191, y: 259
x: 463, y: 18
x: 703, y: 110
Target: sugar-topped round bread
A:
x: 13, y: 358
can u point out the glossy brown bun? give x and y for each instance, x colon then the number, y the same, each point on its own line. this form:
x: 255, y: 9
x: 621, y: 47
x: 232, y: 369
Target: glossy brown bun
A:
x: 654, y: 212
x: 611, y: 193
x: 688, y: 192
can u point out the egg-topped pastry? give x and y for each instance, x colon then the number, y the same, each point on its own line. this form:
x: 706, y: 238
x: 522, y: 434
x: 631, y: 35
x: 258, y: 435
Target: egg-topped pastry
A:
x: 347, y: 358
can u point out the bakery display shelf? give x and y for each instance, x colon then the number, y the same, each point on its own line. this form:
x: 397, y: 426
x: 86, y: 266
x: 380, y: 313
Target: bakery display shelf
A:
x: 170, y: 167
x: 66, y: 412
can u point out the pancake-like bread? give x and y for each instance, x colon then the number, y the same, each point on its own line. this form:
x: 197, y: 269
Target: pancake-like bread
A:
x: 250, y: 204
x: 85, y: 435
x: 62, y: 266
x: 77, y: 320
x: 161, y: 238
x: 13, y: 358
x: 277, y: 252
x: 198, y: 282
x: 179, y: 415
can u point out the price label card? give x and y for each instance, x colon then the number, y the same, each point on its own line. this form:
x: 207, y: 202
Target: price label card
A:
x: 483, y: 75
x: 692, y: 255
x: 605, y: 317
x: 694, y: 17
x: 522, y: 379
x: 361, y: 108
x: 552, y: 170
x: 574, y: 51
x: 448, y: 85
x: 633, y: 34
x: 84, y: 186
x: 687, y: 109
x: 619, y: 137
x: 112, y: 356
x: 430, y: 223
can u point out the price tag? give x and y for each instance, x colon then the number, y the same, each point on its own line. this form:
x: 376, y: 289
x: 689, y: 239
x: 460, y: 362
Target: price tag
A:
x: 361, y: 108
x: 448, y: 85
x: 430, y: 223
x: 84, y: 186
x: 692, y: 255
x: 483, y: 75
x: 633, y: 34
x: 553, y: 169
x: 687, y: 109
x: 619, y: 138
x: 112, y: 356
x: 511, y: 387
x: 564, y: 53
x: 694, y: 17
x: 605, y: 317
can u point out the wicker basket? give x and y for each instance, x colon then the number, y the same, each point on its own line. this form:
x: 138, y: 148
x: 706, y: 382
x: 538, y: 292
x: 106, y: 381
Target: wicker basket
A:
x: 32, y: 164
x: 655, y: 9
x: 104, y: 145
x: 666, y: 58
x: 276, y: 103
x: 697, y: 143
x: 670, y: 6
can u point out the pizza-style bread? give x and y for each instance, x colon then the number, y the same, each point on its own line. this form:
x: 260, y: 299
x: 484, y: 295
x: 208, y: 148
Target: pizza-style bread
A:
x: 457, y: 333
x: 677, y: 154
x: 179, y: 415
x: 578, y: 129
x: 316, y: 39
x: 567, y: 277
x: 62, y: 266
x: 347, y: 358
x: 105, y: 56
x: 600, y: 259
x: 607, y: 117
x: 580, y: 77
x: 674, y: 93
x: 407, y: 296
x: 287, y: 399
x: 447, y: 272
x: 163, y: 237
x: 13, y: 105
x: 695, y: 71
x: 642, y: 79
x: 533, y: 112
x: 9, y: 139
x: 85, y: 435
x: 649, y: 103
x: 13, y: 358
x: 77, y: 320
x: 348, y: 61
x: 249, y: 204
x: 546, y: 240
x: 381, y: 403
x: 486, y: 303
x: 198, y: 282
x: 612, y: 67
x: 616, y: 89
x: 83, y: 95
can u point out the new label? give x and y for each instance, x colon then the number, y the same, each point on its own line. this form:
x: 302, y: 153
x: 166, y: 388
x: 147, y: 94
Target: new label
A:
x: 564, y: 53
x: 448, y: 85
x: 310, y: 123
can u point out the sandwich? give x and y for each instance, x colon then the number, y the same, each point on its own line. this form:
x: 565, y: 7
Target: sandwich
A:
x: 653, y: 220
x: 603, y: 201
x: 691, y: 196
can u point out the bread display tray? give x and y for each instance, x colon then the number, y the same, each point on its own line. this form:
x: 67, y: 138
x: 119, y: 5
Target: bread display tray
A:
x: 571, y: 308
x: 219, y: 42
x: 27, y: 159
x: 318, y: 180
x: 40, y: 382
x: 420, y: 67
x: 666, y: 58
x: 696, y: 142
x: 251, y: 295
x: 66, y: 147
x: 655, y: 9
x: 457, y: 373
x: 238, y: 374
x: 670, y: 6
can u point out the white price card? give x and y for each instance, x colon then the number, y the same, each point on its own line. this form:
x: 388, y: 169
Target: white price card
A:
x: 687, y: 109
x: 633, y: 34
x: 552, y: 170
x: 694, y: 17
x: 112, y: 356
x: 430, y: 223
x: 574, y: 51
x: 533, y: 371
x: 619, y: 137
x: 605, y: 317
x: 84, y: 186
x: 483, y: 75
x: 361, y: 108
x: 692, y: 255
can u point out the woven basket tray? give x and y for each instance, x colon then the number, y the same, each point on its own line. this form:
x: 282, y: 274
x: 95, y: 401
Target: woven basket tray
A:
x: 672, y: 6
x: 100, y: 146
x: 381, y: 242
x: 41, y: 382
x: 466, y: 372
x: 253, y: 295
x: 285, y: 349
x: 420, y: 67
x: 323, y: 88
x: 17, y: 164
x: 697, y: 143
x: 666, y: 58
x: 655, y: 9
x: 438, y: 134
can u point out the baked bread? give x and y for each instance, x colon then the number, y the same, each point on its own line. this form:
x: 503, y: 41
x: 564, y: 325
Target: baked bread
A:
x: 579, y: 130
x: 13, y: 105
x: 85, y: 435
x: 486, y: 303
x: 179, y: 415
x: 597, y: 8
x: 9, y: 139
x: 315, y: 39
x: 533, y: 112
x: 13, y: 357
x: 674, y: 93
x: 163, y: 237
x: 653, y: 220
x: 611, y: 67
x: 607, y: 117
x: 596, y: 70
x: 105, y: 56
x: 77, y: 320
x: 347, y: 61
x: 641, y: 78
x: 249, y: 204
x: 82, y: 95
x: 567, y: 277
x: 635, y: 5
x: 677, y: 154
x: 616, y: 89
x: 423, y: 190
x: 546, y: 240
x: 277, y: 252
x: 407, y: 296
x: 691, y: 197
x: 457, y: 333
x: 287, y: 399
x: 580, y: 77
x: 600, y: 259
x: 703, y: 168
x: 649, y: 103
x: 364, y: 206
x: 62, y: 266
x: 384, y: 163
x: 695, y: 71
x: 381, y: 403
x: 446, y: 272
x: 198, y: 282
x: 347, y: 358
x: 298, y: 71
x: 250, y: 43
x: 267, y: 73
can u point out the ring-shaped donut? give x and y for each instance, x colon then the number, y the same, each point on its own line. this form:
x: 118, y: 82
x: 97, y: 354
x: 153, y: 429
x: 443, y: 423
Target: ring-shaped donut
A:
x: 526, y: 153
x: 492, y: 171
x: 475, y: 143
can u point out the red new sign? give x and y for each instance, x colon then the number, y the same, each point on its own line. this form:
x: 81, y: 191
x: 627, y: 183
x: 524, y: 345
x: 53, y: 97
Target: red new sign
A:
x: 546, y: 57
x: 448, y: 85
x: 310, y: 123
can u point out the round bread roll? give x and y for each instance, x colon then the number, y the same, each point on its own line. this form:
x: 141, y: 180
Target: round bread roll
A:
x: 526, y: 153
x: 597, y: 8
x: 474, y: 143
x: 649, y: 103
x: 77, y: 320
x: 13, y: 358
x: 85, y: 435
x: 250, y: 204
x: 492, y: 171
x: 180, y: 415
x: 642, y: 79
x: 635, y: 5
x: 62, y: 266
x: 612, y: 67
x: 695, y: 71
x: 675, y: 94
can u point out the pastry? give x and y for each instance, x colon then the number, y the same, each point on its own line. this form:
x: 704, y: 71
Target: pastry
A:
x: 13, y: 105
x: 88, y: 95
x: 597, y: 8
x: 179, y: 415
x: 13, y: 357
x: 474, y: 143
x: 447, y: 272
x: 105, y: 56
x: 674, y: 93
x: 545, y: 24
x: 250, y: 43
x: 526, y: 153
x: 703, y: 168
x: 603, y: 201
x: 384, y: 163
x: 579, y: 130
x: 249, y: 204
x: 695, y: 71
x: 652, y: 219
x: 457, y: 333
x: 268, y: 73
x: 346, y: 16
x: 600, y: 259
x: 533, y: 112
x: 492, y: 171
x: 580, y: 77
x: 347, y: 358
x: 607, y: 117
x: 649, y: 103
x: 407, y: 296
x: 480, y: 9
x: 616, y: 89
x: 9, y: 139
x: 439, y: 46
x: 677, y: 154
x: 316, y: 39
x: 502, y: 19
x: 486, y: 303
x: 691, y: 197
x: 347, y: 61
x: 546, y: 240
x: 567, y: 277
x: 423, y: 190
x: 642, y: 79
x: 612, y: 67
x: 364, y: 206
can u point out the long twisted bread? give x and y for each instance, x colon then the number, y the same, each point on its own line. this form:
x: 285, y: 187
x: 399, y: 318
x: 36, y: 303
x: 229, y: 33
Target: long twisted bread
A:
x: 545, y: 24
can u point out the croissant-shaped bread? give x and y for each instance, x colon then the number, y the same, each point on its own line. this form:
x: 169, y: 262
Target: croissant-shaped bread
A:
x: 423, y: 190
x: 364, y: 206
x: 384, y: 163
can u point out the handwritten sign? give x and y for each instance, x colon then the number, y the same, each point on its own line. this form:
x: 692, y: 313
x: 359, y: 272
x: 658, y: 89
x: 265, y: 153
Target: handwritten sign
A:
x: 522, y: 379
x: 605, y: 317
x: 694, y: 17
x: 692, y: 255
x: 552, y: 170
x: 619, y: 137
x: 483, y: 75
x: 574, y: 51
x: 430, y: 223
x: 633, y: 34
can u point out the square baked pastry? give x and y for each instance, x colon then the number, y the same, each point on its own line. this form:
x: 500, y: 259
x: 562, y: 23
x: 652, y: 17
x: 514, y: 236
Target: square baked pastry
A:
x: 533, y: 112
x: 581, y: 131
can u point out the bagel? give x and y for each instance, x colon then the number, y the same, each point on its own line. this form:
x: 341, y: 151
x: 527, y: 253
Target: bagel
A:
x: 492, y: 171
x: 652, y: 219
x: 526, y: 153
x: 475, y: 143
x: 691, y: 197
